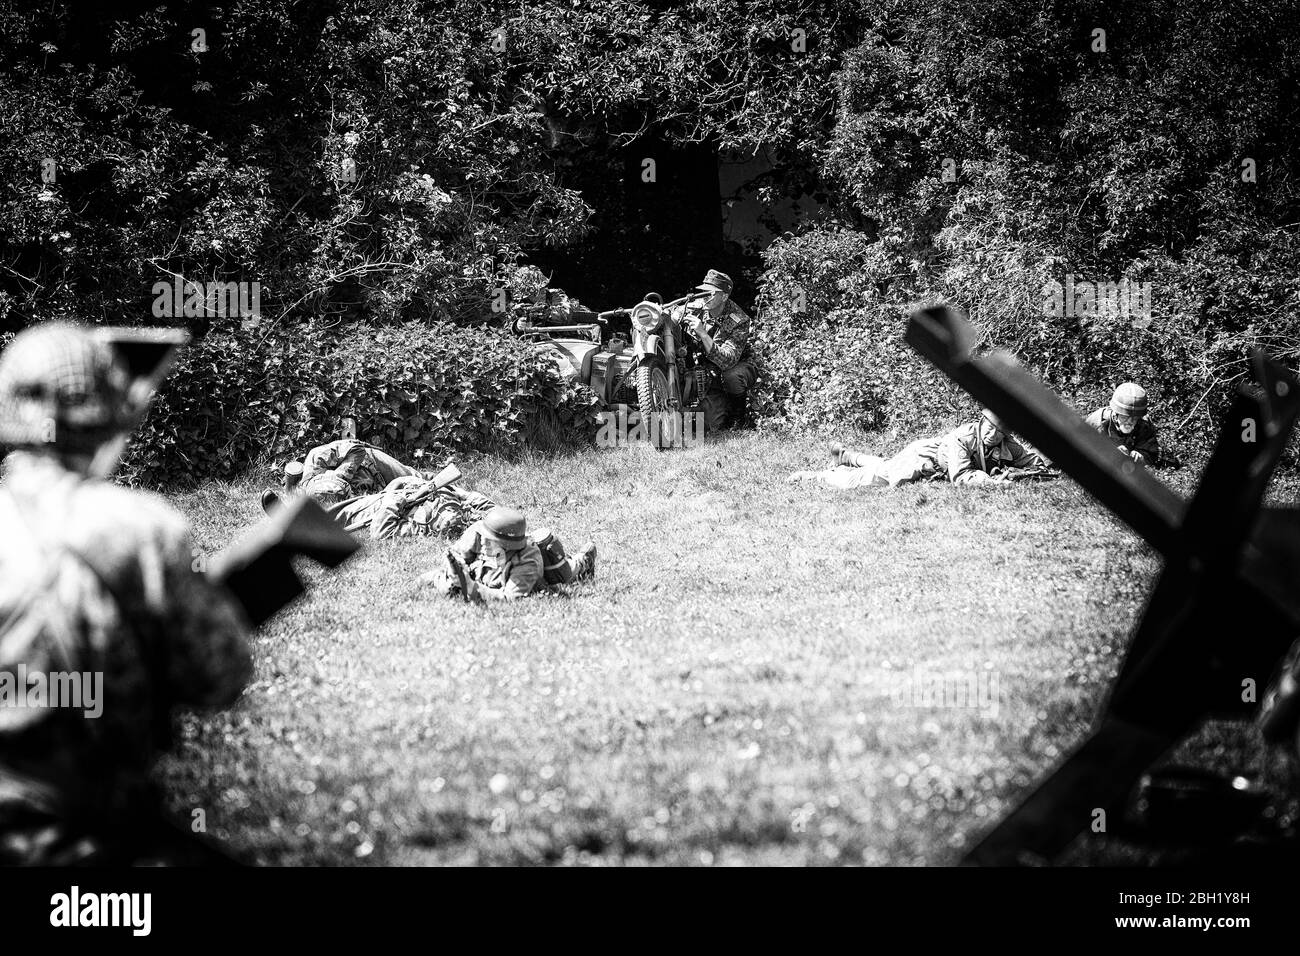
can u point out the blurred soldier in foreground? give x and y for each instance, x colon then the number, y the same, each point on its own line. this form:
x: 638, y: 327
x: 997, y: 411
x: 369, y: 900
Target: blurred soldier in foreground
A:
x: 342, y: 469
x: 1124, y: 421
x: 97, y: 588
x: 979, y: 451
x: 497, y: 560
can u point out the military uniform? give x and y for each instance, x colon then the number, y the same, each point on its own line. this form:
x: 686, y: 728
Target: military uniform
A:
x: 961, y: 456
x: 393, y: 513
x: 514, y: 574
x: 729, y: 353
x: 97, y: 579
x: 496, y: 559
x: 1142, y: 438
x: 347, y: 468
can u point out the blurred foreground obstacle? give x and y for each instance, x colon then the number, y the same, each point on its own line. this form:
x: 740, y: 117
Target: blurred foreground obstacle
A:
x: 1221, y: 615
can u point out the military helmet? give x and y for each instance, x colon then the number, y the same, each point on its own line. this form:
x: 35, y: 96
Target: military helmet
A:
x: 993, y: 419
x: 505, y: 526
x: 60, y: 387
x: 1129, y: 399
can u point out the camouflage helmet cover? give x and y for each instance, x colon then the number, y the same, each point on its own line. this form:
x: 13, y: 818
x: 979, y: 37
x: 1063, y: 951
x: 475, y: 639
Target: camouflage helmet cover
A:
x: 60, y: 386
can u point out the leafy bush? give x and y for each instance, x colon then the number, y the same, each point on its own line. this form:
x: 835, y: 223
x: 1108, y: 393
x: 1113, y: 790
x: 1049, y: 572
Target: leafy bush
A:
x: 419, y: 391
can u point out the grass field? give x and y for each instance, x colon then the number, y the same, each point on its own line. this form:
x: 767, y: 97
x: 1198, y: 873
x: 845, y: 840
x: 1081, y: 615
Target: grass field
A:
x: 738, y: 685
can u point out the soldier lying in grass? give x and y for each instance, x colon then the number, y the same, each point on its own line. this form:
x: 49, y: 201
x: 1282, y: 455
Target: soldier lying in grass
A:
x: 342, y: 469
x: 977, y: 452
x: 410, y: 506
x: 497, y: 560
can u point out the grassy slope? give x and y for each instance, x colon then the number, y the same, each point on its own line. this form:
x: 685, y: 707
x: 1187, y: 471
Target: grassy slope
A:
x: 724, y: 692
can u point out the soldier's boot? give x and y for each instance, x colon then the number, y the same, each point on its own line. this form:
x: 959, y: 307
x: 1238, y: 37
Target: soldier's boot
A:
x: 584, y: 562
x: 853, y: 459
x: 738, y: 411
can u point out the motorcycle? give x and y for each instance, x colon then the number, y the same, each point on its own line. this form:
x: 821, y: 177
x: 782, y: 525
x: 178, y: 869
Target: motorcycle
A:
x: 667, y: 375
x: 661, y: 370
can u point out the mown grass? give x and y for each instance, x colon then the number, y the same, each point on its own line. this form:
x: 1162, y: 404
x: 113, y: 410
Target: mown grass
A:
x: 724, y: 692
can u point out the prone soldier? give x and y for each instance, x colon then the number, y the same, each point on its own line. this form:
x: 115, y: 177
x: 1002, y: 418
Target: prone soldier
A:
x: 496, y: 559
x: 977, y: 452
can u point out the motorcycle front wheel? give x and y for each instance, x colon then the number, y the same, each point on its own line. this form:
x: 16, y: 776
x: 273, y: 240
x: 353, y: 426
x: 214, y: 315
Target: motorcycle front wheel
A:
x: 652, y: 400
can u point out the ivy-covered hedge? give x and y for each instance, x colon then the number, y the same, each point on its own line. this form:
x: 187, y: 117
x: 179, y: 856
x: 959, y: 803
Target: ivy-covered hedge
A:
x: 420, y: 391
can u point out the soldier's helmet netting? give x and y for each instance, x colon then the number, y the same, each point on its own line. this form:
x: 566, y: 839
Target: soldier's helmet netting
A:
x: 61, y: 388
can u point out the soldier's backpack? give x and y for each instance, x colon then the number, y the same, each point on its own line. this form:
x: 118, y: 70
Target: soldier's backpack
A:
x: 556, y: 567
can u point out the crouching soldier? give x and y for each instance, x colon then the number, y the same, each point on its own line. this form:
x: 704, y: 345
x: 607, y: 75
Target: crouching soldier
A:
x: 1124, y: 421
x: 97, y: 591
x: 341, y: 469
x: 722, y: 329
x: 497, y: 560
x: 976, y: 452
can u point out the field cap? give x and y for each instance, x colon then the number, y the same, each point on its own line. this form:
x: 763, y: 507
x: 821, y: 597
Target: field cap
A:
x: 715, y: 281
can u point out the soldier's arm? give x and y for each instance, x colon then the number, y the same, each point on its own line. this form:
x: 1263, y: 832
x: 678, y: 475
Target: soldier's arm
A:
x: 467, y: 545
x: 320, y: 459
x: 1027, y: 456
x: 727, y: 353
x: 962, y: 467
x: 394, y: 506
x: 523, y: 580
x: 353, y: 459
x: 1148, y: 443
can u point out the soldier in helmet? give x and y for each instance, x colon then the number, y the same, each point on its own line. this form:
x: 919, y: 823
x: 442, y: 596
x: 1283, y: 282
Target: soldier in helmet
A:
x: 496, y: 559
x: 1124, y: 421
x: 979, y: 451
x: 96, y: 582
x: 342, y: 469
x: 722, y: 329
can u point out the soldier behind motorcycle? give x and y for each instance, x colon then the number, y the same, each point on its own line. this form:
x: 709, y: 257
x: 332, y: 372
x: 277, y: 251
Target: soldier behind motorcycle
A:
x: 722, y: 329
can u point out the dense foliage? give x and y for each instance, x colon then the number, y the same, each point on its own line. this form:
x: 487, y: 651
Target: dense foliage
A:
x: 389, y: 165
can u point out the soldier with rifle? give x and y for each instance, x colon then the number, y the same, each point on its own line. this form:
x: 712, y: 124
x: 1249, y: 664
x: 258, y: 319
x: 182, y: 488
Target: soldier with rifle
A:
x: 977, y: 452
x: 102, y: 594
x: 97, y: 582
x: 413, y: 506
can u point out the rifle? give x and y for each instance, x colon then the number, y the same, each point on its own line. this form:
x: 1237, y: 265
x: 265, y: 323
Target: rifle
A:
x: 1038, y: 473
x: 426, y: 491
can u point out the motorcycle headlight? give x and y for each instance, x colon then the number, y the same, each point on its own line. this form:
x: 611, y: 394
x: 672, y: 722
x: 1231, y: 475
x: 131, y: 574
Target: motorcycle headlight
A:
x: 647, y: 316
